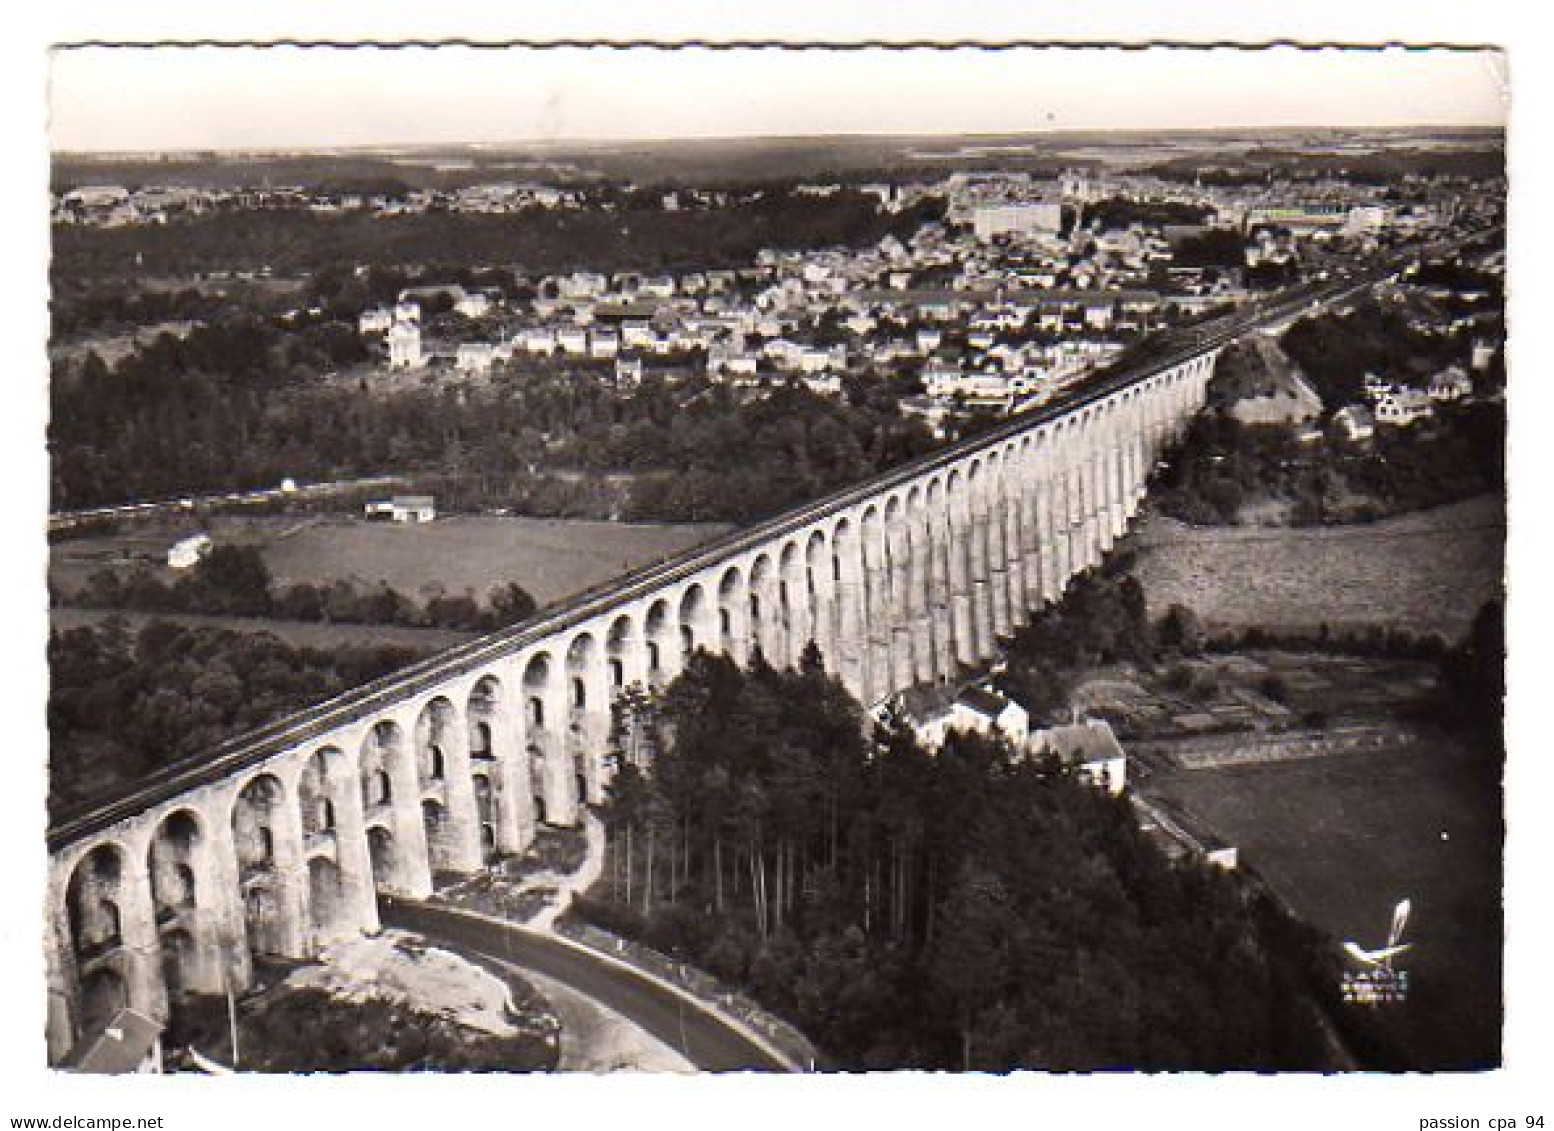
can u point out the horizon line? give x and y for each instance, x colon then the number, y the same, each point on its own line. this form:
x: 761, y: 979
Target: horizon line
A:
x: 283, y: 149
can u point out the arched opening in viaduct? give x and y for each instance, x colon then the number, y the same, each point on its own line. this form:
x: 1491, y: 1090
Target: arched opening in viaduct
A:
x: 265, y: 851
x: 792, y: 617
x: 441, y: 776
x: 546, y: 725
x: 387, y: 862
x: 319, y: 787
x: 498, y: 768
x: 485, y: 811
x: 731, y: 613
x: 819, y: 585
x: 618, y: 645
x: 759, y: 610
x: 661, y: 642
x: 390, y: 804
x: 329, y: 910
x: 587, y: 714
x: 182, y: 878
x: 95, y: 905
x: 382, y: 766
x: 692, y: 622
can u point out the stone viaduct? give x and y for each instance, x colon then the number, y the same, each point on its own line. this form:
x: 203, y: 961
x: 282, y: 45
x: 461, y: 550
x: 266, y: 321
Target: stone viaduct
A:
x: 279, y: 841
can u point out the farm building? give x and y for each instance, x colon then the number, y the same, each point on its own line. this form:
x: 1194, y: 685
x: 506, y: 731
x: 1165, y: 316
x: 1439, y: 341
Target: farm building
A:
x: 403, y: 508
x: 974, y: 709
x: 1090, y: 747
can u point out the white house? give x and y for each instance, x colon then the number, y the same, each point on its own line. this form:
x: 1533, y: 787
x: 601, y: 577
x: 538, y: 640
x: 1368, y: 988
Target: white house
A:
x: 404, y: 343
x: 932, y: 412
x: 1483, y: 354
x: 976, y: 709
x: 374, y: 321
x: 189, y: 551
x: 1089, y: 747
x: 628, y: 371
x: 1451, y: 384
x: 473, y: 304
x: 1356, y: 422
x: 538, y: 340
x: 474, y: 357
x: 603, y: 345
x: 412, y: 509
x: 1403, y: 407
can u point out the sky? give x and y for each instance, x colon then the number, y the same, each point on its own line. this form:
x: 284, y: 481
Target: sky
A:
x: 248, y: 98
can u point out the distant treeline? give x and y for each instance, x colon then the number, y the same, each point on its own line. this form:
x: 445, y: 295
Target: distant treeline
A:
x: 1378, y: 166
x: 236, y: 405
x: 535, y: 240
x: 234, y: 581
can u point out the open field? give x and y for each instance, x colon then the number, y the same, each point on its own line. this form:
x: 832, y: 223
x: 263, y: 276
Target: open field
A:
x: 1343, y: 838
x: 551, y: 558
x: 1425, y: 572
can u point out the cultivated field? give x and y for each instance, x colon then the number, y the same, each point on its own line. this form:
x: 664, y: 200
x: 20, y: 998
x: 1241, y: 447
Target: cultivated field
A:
x: 1230, y: 694
x: 1426, y: 572
x: 551, y: 558
x: 1343, y: 838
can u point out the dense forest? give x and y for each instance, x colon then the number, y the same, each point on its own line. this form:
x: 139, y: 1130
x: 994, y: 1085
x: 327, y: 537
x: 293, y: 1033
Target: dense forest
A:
x: 1335, y: 351
x: 965, y: 910
x: 535, y: 240
x: 1223, y: 465
x: 1376, y: 167
x: 124, y: 704
x: 234, y: 405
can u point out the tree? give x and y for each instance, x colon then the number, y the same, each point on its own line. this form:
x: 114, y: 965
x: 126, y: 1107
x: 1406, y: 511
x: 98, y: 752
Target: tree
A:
x: 1180, y: 630
x: 232, y: 579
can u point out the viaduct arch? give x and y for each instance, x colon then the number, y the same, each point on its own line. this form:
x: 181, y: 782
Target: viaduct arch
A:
x: 279, y: 842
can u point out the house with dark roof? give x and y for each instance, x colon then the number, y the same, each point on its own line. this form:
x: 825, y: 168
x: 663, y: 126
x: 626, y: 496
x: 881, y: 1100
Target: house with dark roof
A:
x: 130, y: 1042
x: 1090, y: 748
x: 978, y: 709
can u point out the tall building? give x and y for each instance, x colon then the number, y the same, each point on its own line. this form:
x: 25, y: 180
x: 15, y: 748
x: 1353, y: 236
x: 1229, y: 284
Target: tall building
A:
x: 404, y: 343
x: 1003, y: 219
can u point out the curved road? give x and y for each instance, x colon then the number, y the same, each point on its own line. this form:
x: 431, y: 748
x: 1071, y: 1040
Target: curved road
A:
x: 704, y: 1039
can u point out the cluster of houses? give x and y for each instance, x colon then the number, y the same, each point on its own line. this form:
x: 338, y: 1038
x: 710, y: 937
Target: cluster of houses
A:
x: 1398, y: 404
x: 1088, y: 747
x: 992, y: 310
